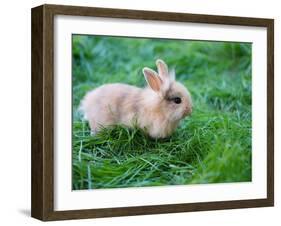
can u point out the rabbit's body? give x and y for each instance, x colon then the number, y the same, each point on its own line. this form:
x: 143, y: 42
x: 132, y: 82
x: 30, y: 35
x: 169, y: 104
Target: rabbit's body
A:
x: 149, y: 108
x: 127, y: 105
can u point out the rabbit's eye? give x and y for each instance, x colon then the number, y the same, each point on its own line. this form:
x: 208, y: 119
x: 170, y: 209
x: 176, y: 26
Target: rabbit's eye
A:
x: 177, y: 100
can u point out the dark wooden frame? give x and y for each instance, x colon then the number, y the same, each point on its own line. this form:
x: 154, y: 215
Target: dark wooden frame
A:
x: 42, y: 203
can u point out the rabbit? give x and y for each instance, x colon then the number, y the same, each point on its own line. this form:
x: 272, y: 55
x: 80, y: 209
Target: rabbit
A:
x: 156, y: 109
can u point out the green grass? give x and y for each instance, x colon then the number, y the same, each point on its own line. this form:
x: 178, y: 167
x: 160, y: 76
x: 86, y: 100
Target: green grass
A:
x: 211, y: 146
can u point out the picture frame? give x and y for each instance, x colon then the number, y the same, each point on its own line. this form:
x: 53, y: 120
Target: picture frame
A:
x: 43, y: 184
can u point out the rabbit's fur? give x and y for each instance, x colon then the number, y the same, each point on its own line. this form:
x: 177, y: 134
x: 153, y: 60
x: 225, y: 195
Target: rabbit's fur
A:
x: 153, y: 109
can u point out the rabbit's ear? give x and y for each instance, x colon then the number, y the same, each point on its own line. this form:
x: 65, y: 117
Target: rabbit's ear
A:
x: 162, y: 69
x: 152, y: 79
x: 172, y: 74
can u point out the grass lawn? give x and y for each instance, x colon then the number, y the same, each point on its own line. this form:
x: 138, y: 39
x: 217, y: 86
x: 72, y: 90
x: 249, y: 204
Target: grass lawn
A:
x: 211, y: 146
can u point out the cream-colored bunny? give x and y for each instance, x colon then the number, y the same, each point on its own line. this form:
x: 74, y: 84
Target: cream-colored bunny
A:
x: 157, y: 109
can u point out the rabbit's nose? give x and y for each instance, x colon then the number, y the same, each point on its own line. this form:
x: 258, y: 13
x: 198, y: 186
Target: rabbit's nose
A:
x: 187, y: 111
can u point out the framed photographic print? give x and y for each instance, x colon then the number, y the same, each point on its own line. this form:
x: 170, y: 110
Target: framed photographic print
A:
x: 141, y: 112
